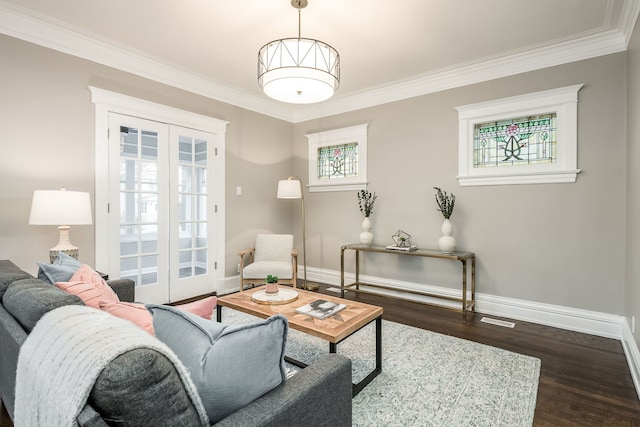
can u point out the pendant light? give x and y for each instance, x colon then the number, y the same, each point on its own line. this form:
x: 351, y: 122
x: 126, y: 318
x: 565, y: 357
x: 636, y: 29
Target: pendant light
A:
x: 298, y: 70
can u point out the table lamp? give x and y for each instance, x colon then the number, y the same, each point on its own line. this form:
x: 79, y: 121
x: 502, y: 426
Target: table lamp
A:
x: 291, y: 188
x: 62, y: 208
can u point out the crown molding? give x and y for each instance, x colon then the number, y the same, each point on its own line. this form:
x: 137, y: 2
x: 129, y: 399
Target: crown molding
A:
x: 41, y: 30
x: 586, y: 47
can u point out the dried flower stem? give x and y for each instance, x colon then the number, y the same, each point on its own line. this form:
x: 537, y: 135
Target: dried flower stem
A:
x: 445, y: 202
x: 365, y: 201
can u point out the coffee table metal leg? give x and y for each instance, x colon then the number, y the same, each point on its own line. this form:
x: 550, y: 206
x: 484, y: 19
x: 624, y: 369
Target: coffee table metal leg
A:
x: 357, y: 388
x: 333, y: 347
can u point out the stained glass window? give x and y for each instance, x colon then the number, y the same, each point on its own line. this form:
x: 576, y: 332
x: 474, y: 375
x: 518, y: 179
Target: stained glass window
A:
x: 521, y: 141
x: 338, y: 161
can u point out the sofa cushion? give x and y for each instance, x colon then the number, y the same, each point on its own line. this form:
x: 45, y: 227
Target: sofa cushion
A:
x: 9, y: 273
x: 131, y: 311
x: 231, y: 366
x: 142, y: 388
x: 29, y: 299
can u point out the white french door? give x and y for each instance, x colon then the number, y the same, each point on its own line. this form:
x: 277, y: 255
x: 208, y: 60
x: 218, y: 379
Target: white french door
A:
x: 161, y: 196
x: 191, y: 231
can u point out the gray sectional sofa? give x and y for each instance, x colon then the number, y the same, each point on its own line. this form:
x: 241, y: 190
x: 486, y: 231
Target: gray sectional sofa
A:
x: 142, y: 387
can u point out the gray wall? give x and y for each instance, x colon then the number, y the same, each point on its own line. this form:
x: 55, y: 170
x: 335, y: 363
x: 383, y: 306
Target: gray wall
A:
x: 47, y: 123
x: 632, y: 291
x: 554, y: 243
x: 562, y: 244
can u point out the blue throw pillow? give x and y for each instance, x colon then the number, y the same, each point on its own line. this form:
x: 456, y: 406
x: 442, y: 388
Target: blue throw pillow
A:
x: 231, y: 366
x: 60, y: 271
x: 66, y: 260
x: 52, y: 273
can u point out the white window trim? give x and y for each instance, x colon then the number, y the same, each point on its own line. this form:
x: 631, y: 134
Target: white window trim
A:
x: 105, y: 102
x: 561, y: 101
x: 346, y: 135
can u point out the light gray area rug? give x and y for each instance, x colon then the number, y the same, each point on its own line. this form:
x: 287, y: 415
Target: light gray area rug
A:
x: 428, y: 379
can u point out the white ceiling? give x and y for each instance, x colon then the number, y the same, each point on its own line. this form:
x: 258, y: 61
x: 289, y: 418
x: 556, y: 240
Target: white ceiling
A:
x: 389, y: 50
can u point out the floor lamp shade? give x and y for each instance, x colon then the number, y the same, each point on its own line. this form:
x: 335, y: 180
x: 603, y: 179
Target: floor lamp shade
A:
x: 289, y: 189
x: 62, y: 208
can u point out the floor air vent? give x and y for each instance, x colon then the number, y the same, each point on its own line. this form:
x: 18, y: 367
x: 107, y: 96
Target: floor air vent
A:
x: 502, y: 323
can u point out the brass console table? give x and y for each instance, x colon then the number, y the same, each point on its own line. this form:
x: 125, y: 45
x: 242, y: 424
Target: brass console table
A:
x: 468, y: 260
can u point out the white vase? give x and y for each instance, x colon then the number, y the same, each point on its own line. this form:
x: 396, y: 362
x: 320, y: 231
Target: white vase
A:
x: 366, y: 237
x: 447, y: 243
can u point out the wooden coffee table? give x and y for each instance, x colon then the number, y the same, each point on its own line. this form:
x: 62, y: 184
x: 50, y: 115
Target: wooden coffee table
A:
x: 333, y: 329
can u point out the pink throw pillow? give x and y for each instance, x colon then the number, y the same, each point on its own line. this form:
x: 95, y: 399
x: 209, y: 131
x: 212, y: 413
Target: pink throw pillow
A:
x: 134, y: 312
x: 88, y: 275
x: 87, y: 292
x: 203, y: 308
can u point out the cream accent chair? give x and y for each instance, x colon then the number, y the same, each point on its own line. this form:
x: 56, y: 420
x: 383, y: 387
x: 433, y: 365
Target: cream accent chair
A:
x: 273, y: 254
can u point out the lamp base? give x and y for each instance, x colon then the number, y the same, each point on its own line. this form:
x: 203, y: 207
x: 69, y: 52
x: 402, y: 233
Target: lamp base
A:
x: 53, y: 253
x: 64, y: 245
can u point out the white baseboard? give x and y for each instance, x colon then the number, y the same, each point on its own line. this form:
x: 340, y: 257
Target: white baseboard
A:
x: 573, y: 319
x: 228, y: 285
x: 632, y: 354
x: 589, y: 322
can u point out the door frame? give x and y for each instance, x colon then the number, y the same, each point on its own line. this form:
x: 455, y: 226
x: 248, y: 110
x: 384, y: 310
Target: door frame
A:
x: 112, y: 102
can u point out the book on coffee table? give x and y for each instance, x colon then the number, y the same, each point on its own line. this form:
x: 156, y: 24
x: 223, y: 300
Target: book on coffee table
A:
x: 320, y: 309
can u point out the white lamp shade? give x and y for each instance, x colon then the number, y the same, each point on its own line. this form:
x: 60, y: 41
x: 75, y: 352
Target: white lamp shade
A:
x: 289, y: 189
x: 60, y: 207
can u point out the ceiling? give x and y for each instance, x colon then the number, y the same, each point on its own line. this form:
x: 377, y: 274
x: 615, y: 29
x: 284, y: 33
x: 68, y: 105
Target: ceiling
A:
x: 389, y: 50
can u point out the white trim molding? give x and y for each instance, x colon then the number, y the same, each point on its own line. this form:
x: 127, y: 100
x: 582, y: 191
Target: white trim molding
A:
x: 632, y: 355
x: 573, y: 319
x: 562, y: 102
x: 112, y: 102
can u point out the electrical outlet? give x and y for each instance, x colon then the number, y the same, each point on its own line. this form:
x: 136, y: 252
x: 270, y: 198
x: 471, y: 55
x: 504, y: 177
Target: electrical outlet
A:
x: 238, y: 267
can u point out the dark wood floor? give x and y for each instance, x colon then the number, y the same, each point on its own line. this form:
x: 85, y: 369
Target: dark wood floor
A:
x: 584, y: 379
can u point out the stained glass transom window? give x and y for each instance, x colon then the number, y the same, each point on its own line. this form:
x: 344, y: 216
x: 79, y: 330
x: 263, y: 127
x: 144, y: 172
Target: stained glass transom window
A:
x: 521, y: 141
x: 338, y: 161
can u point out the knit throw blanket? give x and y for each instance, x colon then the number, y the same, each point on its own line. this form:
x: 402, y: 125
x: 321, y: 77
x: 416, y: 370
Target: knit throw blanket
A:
x: 62, y: 357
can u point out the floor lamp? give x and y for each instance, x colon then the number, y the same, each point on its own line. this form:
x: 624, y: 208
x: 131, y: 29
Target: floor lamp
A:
x: 291, y: 188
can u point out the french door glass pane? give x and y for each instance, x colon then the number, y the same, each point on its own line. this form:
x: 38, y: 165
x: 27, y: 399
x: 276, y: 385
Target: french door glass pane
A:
x: 139, y: 205
x: 185, y: 179
x: 200, y: 148
x: 192, y: 206
x: 149, y: 176
x: 201, y: 180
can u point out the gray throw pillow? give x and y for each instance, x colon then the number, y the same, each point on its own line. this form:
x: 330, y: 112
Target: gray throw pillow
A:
x: 231, y: 366
x: 60, y: 271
